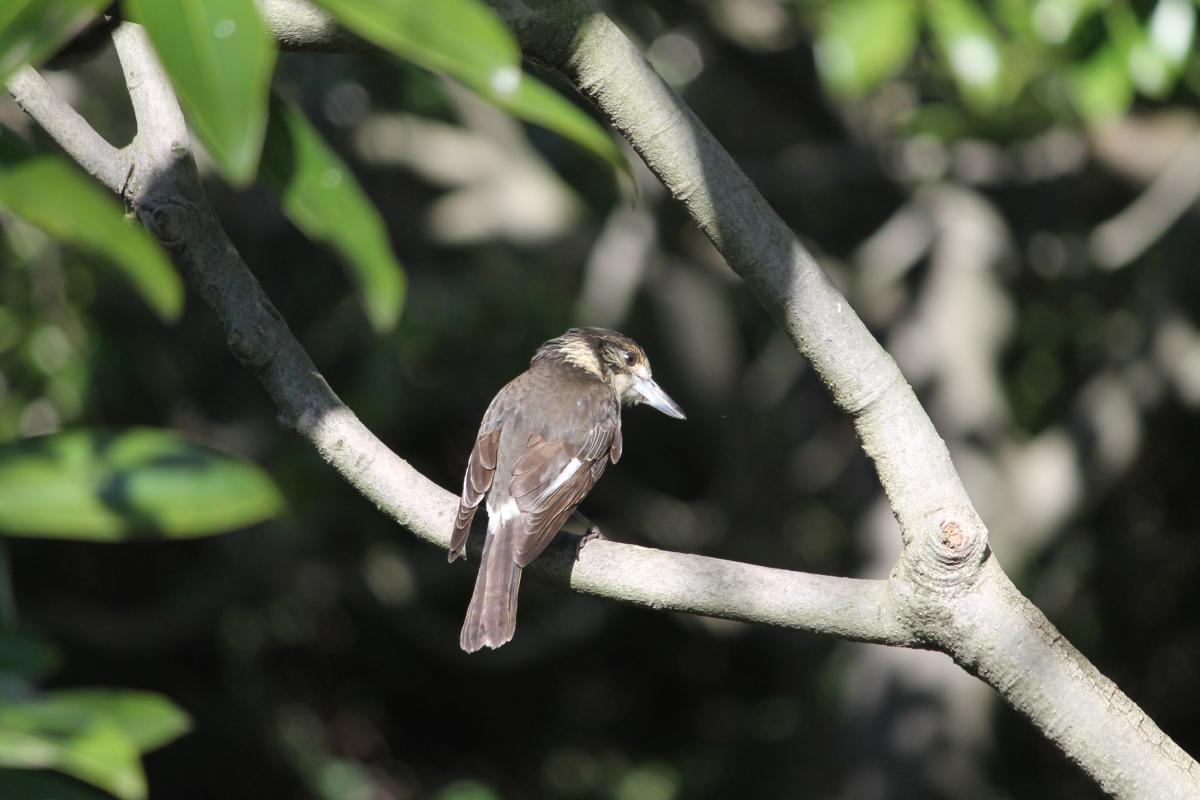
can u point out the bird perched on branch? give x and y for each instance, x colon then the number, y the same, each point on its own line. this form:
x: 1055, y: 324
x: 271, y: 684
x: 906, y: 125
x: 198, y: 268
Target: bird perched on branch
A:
x: 544, y: 442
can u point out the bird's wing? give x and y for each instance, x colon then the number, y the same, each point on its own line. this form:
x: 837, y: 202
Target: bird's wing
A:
x: 481, y: 468
x: 551, y: 478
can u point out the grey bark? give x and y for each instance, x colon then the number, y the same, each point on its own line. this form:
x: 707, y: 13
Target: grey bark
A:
x: 947, y: 591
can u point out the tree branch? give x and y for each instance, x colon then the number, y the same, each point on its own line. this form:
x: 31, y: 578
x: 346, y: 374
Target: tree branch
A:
x: 160, y: 124
x: 1000, y: 636
x: 948, y: 592
x: 164, y: 189
x: 66, y: 127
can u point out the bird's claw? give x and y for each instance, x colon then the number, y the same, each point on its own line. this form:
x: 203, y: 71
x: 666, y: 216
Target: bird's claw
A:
x: 592, y: 533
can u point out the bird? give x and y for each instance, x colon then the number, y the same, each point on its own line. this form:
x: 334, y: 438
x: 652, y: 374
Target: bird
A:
x: 544, y: 441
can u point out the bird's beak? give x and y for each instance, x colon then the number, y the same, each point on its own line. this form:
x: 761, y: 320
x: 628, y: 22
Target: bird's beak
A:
x: 656, y: 398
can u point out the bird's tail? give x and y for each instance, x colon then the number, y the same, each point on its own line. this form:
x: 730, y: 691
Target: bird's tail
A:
x: 492, y: 615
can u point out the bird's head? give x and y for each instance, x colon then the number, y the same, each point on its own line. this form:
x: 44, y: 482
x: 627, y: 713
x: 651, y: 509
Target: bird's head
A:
x: 615, y: 359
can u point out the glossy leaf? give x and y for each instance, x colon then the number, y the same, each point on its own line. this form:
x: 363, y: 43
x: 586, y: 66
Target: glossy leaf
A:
x: 112, y: 486
x: 96, y: 735
x: 32, y: 30
x: 451, y: 36
x: 54, y: 195
x: 864, y: 42
x: 319, y: 194
x: 464, y: 40
x: 220, y: 56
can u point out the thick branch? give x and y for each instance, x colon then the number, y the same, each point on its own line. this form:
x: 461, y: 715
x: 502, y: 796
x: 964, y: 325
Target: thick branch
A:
x: 997, y: 634
x: 64, y: 124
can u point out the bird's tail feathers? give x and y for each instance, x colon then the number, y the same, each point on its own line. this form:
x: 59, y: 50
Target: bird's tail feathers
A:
x: 492, y: 615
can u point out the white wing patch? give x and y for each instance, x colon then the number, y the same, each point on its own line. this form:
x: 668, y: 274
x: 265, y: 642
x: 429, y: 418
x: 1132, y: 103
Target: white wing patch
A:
x: 507, y: 512
x: 510, y: 510
x: 567, y: 472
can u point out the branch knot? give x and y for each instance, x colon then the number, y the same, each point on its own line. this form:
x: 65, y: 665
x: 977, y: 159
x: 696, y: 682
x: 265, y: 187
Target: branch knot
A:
x: 947, y: 552
x: 167, y: 221
x: 254, y: 345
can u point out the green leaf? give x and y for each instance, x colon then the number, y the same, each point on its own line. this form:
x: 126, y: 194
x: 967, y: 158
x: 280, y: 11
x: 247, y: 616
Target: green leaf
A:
x: 84, y: 746
x: 112, y: 486
x: 1156, y: 51
x: 49, y: 192
x: 319, y: 194
x: 33, y: 30
x: 96, y: 735
x: 457, y: 37
x: 864, y: 42
x: 1100, y: 88
x: 464, y: 40
x: 971, y: 49
x: 148, y: 719
x: 219, y: 55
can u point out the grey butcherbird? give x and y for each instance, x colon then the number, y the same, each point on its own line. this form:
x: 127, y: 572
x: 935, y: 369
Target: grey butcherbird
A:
x: 544, y: 442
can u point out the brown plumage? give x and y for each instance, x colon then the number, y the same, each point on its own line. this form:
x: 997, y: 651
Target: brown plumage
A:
x: 544, y: 442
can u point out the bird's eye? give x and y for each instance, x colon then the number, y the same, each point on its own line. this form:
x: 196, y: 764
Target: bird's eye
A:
x: 630, y: 357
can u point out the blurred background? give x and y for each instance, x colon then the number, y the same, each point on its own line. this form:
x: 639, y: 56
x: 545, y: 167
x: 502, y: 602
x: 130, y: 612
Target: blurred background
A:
x: 1005, y: 191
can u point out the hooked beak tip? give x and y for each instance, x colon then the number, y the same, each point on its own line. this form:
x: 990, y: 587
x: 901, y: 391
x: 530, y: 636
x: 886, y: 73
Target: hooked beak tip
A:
x: 675, y: 411
x: 656, y: 398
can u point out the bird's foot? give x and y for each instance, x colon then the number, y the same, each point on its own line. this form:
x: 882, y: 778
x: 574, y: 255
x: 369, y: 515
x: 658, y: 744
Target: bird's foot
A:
x: 592, y: 533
